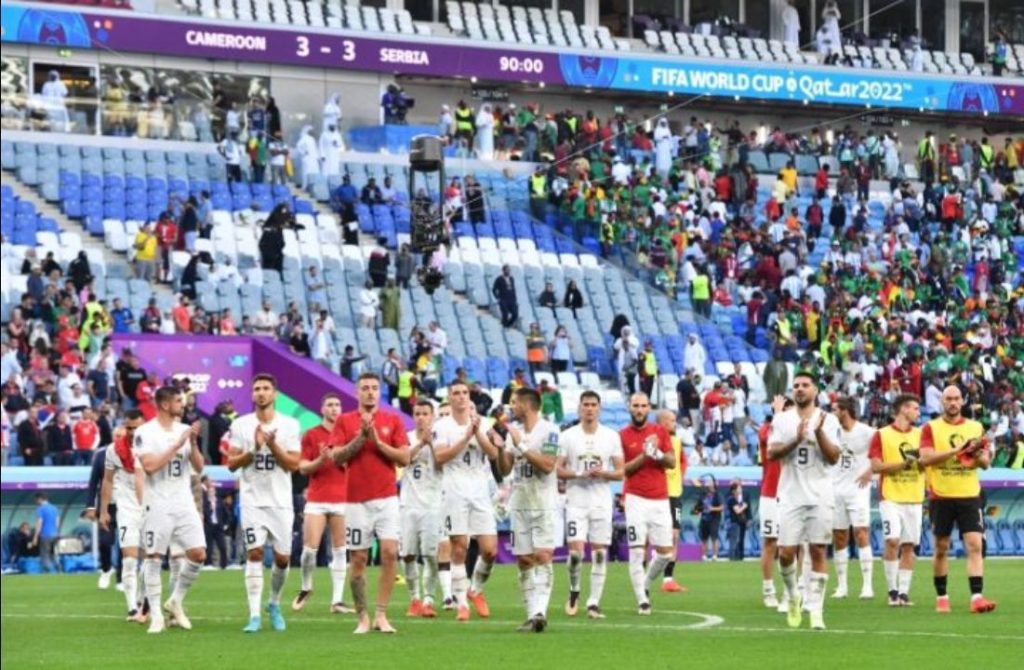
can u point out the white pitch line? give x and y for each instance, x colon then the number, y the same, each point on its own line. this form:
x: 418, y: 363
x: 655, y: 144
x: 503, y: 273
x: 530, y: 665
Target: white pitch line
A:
x: 702, y: 626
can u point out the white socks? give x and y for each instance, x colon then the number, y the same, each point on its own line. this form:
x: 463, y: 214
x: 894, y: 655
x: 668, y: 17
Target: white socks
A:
x: 277, y: 580
x: 903, y: 582
x: 527, y: 588
x: 308, y: 563
x: 544, y: 576
x: 816, y: 591
x: 253, y: 586
x: 598, y: 570
x: 636, y: 574
x: 788, y: 573
x: 130, y: 580
x: 153, y: 585
x: 842, y: 561
x: 656, y: 568
x: 481, y: 573
x: 575, y: 571
x: 174, y: 564
x: 444, y: 575
x: 412, y: 578
x: 867, y: 565
x: 187, y: 576
x: 430, y: 578
x: 460, y: 583
x: 339, y: 570
x: 768, y: 587
x: 892, y: 569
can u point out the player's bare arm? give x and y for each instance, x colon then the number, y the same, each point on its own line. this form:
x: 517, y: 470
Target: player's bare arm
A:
x: 153, y: 462
x: 448, y: 453
x: 829, y: 449
x: 563, y: 472
x: 308, y: 467
x: 238, y: 458
x: 195, y: 455
x: 346, y: 453
x: 779, y: 450
x: 878, y: 467
x: 484, y: 440
x: 616, y: 474
x: 288, y: 460
x: 542, y: 462
x: 634, y: 464
x: 397, y: 455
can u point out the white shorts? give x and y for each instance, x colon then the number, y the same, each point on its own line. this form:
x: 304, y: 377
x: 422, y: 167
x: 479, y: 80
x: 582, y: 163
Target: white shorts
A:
x: 592, y: 525
x: 469, y: 516
x: 420, y: 532
x: 129, y: 526
x: 532, y: 530
x: 901, y: 521
x: 364, y: 520
x: 805, y: 523
x: 181, y: 529
x: 648, y: 520
x: 324, y: 509
x: 853, y: 509
x: 768, y: 512
x: 260, y: 524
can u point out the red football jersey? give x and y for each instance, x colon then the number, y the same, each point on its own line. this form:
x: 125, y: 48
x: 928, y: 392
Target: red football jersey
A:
x: 85, y: 433
x: 649, y: 481
x: 329, y: 484
x: 770, y: 470
x: 370, y: 474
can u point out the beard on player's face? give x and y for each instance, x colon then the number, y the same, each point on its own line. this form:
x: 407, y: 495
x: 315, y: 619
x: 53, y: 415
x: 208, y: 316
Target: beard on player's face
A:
x: 639, y: 420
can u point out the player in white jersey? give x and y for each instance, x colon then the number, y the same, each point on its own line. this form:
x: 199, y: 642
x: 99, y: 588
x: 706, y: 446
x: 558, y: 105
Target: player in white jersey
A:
x: 167, y: 451
x: 806, y: 440
x: 420, y: 499
x: 589, y: 456
x: 444, y: 545
x: 531, y: 453
x: 464, y: 452
x: 265, y: 447
x: 122, y: 482
x: 851, y: 479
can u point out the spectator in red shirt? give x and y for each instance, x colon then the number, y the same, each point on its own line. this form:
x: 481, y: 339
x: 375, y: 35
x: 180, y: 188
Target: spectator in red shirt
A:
x: 182, y: 316
x: 821, y: 182
x: 723, y: 187
x: 647, y: 452
x: 144, y: 392
x: 86, y: 436
x: 371, y: 443
x: 167, y: 236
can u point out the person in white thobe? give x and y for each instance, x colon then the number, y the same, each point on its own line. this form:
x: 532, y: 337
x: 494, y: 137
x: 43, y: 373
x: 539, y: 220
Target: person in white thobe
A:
x: 790, y: 24
x: 485, y: 133
x: 663, y: 145
x: 332, y: 112
x: 331, y: 146
x: 54, y: 92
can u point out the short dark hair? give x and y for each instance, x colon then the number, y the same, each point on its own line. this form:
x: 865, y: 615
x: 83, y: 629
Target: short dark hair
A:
x: 165, y: 393
x: 530, y: 396
x: 133, y: 414
x: 807, y: 374
x: 330, y: 395
x: 591, y: 394
x: 264, y: 377
x: 457, y: 382
x: 848, y: 405
x: 423, y: 402
x: 902, y: 399
x: 368, y: 375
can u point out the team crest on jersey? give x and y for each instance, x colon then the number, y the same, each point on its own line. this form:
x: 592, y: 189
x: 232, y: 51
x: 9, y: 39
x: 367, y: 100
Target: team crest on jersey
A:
x: 138, y: 440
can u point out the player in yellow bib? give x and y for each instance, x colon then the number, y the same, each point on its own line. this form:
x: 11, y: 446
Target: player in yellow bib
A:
x: 675, y: 477
x: 952, y: 450
x: 894, y: 454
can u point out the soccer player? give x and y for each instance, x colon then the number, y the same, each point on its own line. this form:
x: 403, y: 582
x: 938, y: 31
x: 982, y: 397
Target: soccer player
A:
x: 952, y: 450
x: 767, y: 507
x: 165, y: 448
x: 806, y: 440
x: 265, y: 447
x: 325, y: 505
x: 464, y: 452
x: 674, y: 476
x: 444, y: 545
x: 647, y: 453
x: 123, y: 482
x: 531, y: 452
x: 372, y: 443
x: 894, y: 454
x: 589, y: 456
x: 851, y: 480
x: 420, y: 498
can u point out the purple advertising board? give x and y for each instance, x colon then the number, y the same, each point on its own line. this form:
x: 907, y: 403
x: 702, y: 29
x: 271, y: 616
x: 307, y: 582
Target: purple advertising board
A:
x: 193, y: 37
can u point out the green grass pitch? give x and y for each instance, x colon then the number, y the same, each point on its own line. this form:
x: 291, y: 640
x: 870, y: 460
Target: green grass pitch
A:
x: 65, y: 622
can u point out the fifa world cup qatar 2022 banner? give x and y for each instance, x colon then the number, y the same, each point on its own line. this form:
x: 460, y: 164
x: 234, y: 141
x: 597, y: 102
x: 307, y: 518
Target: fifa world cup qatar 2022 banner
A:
x: 118, y: 31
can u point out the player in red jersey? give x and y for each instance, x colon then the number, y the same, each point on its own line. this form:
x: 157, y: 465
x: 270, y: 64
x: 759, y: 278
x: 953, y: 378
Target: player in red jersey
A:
x: 325, y: 504
x: 768, y: 506
x: 371, y: 442
x: 647, y: 452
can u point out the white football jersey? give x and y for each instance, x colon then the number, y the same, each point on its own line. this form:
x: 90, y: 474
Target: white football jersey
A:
x: 169, y: 487
x: 123, y: 490
x: 262, y: 483
x: 853, y: 457
x: 583, y: 451
x: 532, y: 490
x: 468, y: 475
x: 806, y: 477
x: 421, y: 482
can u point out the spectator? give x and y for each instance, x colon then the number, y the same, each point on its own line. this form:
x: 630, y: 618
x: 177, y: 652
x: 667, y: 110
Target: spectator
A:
x: 517, y: 382
x: 349, y: 361
x: 504, y: 291
x: 547, y: 297
x: 151, y: 319
x: 560, y: 351
x: 330, y: 147
x: 536, y: 348
x: 647, y: 367
x: 380, y: 260
x: 445, y: 124
x: 709, y: 507
x: 19, y: 543
x: 308, y: 152
x: 739, y: 517
x: 59, y: 442
x: 231, y: 151
x: 999, y: 54
x: 628, y: 359
x: 368, y: 305
x: 405, y: 264
x: 145, y: 253
x: 395, y: 104
x: 331, y: 115
x: 280, y: 157
x: 475, y: 204
x: 316, y: 287
x: 47, y: 532
x: 181, y: 313
x: 465, y: 124
x: 551, y: 402
x: 122, y: 317
x: 390, y: 305
x: 298, y: 342
x: 694, y: 355
x: 30, y: 436
x: 214, y: 514
x: 86, y: 435
x: 573, y: 299
x: 258, y: 151
x: 371, y: 193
